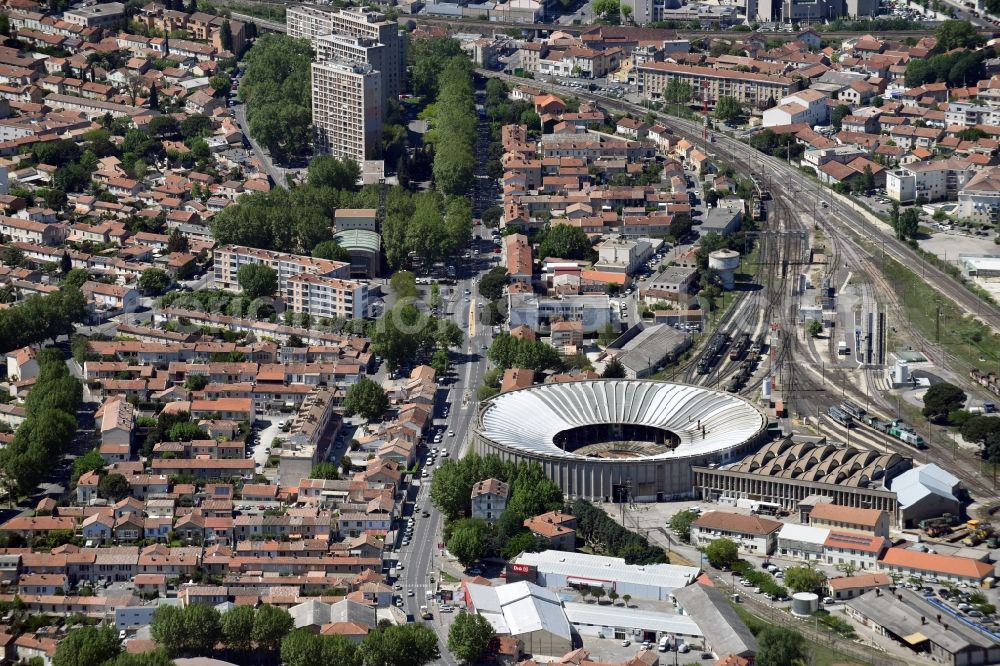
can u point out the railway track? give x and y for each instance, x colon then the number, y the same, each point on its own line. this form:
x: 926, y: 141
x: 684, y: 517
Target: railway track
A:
x: 460, y: 24
x: 861, y: 247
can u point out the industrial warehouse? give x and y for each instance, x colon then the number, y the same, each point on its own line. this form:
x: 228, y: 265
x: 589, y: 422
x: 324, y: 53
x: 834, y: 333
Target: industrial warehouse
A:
x: 558, y: 569
x: 785, y: 472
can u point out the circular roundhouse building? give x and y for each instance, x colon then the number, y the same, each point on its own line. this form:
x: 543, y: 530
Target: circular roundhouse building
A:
x: 610, y: 439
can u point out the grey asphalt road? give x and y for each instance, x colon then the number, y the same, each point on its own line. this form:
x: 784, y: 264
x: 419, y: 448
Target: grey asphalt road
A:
x: 277, y: 174
x: 421, y: 559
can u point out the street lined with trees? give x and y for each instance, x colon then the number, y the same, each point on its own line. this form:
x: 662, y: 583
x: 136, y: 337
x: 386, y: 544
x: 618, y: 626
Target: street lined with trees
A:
x: 276, y: 89
x: 49, y: 426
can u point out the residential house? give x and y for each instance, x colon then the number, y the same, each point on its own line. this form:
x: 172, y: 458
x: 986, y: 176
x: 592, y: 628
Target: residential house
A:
x: 489, y: 499
x: 557, y: 527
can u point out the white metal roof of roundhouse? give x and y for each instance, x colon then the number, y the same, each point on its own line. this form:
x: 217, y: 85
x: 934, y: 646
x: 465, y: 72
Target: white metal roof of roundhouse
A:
x: 529, y: 419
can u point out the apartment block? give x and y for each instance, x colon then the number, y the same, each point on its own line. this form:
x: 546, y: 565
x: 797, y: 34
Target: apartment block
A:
x: 303, y: 22
x: 320, y: 296
x: 752, y: 534
x: 229, y: 258
x: 747, y: 87
x: 374, y: 26
x: 96, y: 16
x: 970, y: 115
x: 979, y: 199
x: 317, y: 287
x: 365, y: 50
x: 928, y: 181
x: 347, y: 109
x: 536, y: 312
x: 370, y: 28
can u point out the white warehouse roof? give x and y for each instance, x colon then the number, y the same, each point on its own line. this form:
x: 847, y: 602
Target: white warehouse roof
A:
x: 599, y: 569
x: 913, y: 485
x: 804, y: 534
x: 520, y: 608
x: 616, y: 616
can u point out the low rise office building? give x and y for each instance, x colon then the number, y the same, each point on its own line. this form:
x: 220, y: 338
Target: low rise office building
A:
x: 754, y: 535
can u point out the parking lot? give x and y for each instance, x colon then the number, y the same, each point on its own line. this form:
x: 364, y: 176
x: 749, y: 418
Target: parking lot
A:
x: 266, y: 429
x: 948, y: 245
x: 613, y: 651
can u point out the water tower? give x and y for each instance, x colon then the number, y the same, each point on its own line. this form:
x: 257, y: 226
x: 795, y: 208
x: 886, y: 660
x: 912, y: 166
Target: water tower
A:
x: 725, y: 263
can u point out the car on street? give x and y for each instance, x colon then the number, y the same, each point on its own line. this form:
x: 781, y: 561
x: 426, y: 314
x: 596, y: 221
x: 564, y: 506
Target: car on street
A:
x: 409, y: 592
x: 626, y: 643
x: 451, y: 433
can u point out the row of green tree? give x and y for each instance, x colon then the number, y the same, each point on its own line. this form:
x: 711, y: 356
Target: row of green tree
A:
x: 958, y: 68
x: 944, y: 404
x: 906, y: 224
x: 564, y: 241
x: 277, y: 91
x: 451, y: 488
x: 294, y: 220
x: 100, y: 646
x: 426, y: 227
x: 604, y: 535
x: 454, y: 133
x: 510, y: 352
x: 404, y: 335
x: 778, y: 145
x: 266, y: 634
x: 40, y: 318
x: 49, y: 426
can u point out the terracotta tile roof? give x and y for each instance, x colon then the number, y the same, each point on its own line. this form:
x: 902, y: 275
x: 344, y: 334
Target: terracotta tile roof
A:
x: 860, y: 582
x: 737, y: 522
x: 491, y: 486
x: 937, y: 563
x: 846, y: 514
x: 855, y: 541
